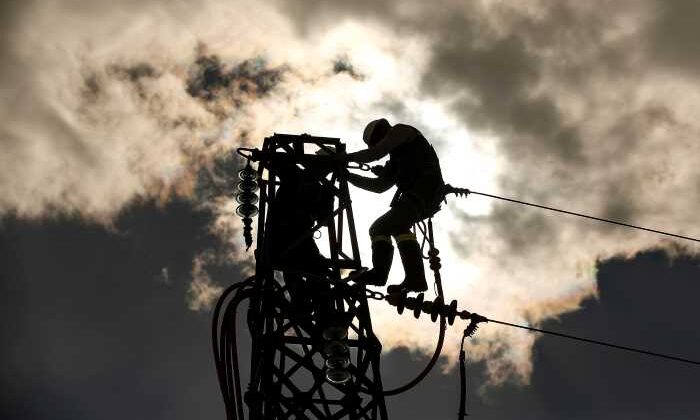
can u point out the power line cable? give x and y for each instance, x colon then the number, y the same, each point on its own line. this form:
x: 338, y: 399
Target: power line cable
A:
x: 600, y: 343
x: 465, y: 191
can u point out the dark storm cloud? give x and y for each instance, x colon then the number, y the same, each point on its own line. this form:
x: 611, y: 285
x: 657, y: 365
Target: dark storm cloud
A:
x: 342, y: 64
x: 11, y: 15
x: 135, y: 72
x: 560, y: 87
x: 218, y: 181
x: 577, y: 100
x: 491, y: 79
x: 88, y: 329
x: 138, y: 75
x: 645, y: 303
x: 632, y: 126
x: 496, y: 73
x: 518, y: 71
x: 498, y: 78
x: 212, y: 79
x: 308, y: 14
x: 675, y: 34
x: 521, y: 230
x: 73, y: 347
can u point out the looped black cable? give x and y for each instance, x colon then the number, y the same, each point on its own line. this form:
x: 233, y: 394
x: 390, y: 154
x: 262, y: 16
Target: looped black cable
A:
x: 225, y: 348
x: 443, y: 325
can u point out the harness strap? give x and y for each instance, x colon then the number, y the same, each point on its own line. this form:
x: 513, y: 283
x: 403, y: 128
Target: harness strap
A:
x: 406, y: 237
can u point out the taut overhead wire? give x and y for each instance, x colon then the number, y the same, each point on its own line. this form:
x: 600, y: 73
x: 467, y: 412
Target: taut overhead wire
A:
x: 465, y: 191
x: 600, y: 343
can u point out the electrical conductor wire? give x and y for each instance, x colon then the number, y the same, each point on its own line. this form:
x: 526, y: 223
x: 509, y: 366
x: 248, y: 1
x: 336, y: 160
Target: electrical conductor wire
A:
x: 600, y: 219
x: 600, y: 343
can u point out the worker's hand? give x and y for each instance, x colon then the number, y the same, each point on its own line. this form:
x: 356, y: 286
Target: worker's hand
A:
x: 336, y: 156
x: 341, y: 157
x: 377, y: 169
x: 325, y: 152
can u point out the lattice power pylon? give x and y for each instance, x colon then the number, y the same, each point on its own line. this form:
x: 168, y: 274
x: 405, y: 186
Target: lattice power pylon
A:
x: 314, y: 354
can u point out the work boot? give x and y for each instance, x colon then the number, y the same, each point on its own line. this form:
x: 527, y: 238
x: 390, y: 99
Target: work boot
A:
x: 382, y: 255
x: 413, y: 268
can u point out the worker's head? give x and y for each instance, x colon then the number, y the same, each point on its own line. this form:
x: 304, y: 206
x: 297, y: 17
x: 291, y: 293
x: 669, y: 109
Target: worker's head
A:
x: 375, y: 131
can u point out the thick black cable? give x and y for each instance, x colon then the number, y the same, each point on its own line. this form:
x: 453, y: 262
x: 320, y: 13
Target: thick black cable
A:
x: 217, y: 309
x: 230, y: 346
x: 218, y: 361
x: 462, y: 380
x: 443, y: 323
x: 224, y: 347
x: 600, y: 343
x: 600, y: 219
x: 428, y: 367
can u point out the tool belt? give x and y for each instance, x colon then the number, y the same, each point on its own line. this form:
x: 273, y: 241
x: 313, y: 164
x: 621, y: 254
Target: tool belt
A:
x: 426, y: 193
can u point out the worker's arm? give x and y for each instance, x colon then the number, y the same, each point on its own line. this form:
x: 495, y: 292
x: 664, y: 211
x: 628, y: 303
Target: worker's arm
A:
x: 376, y: 185
x: 398, y: 134
x: 385, y: 180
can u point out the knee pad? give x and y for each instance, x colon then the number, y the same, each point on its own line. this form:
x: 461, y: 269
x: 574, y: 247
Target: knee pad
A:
x: 380, y: 238
x: 404, y: 237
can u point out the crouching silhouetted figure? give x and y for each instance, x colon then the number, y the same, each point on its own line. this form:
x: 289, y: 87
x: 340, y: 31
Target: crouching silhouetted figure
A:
x: 300, y: 202
x: 414, y: 168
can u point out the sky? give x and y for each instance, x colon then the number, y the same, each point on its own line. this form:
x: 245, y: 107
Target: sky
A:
x: 117, y: 123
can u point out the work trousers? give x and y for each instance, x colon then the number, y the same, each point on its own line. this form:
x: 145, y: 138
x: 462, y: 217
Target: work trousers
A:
x: 397, y: 221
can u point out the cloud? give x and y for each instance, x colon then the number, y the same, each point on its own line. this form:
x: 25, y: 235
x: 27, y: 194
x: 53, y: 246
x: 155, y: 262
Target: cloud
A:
x: 202, y: 292
x: 84, y: 316
x: 342, y: 64
x: 583, y: 106
x: 115, y: 107
x: 673, y: 36
x: 586, y: 112
x: 250, y: 79
x: 573, y: 379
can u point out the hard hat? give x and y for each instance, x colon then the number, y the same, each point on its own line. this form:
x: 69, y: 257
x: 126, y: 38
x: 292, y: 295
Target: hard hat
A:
x: 375, y: 131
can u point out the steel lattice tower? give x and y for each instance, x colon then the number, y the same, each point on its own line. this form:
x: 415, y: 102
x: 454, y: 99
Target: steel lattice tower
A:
x: 314, y: 354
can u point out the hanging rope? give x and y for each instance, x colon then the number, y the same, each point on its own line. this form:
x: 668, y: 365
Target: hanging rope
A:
x: 465, y: 191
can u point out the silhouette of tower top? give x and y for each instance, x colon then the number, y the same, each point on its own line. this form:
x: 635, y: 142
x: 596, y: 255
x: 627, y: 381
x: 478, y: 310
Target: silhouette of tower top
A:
x: 314, y: 353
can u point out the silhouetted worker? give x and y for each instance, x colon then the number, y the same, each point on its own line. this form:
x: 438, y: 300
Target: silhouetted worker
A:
x: 415, y: 170
x: 300, y: 201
